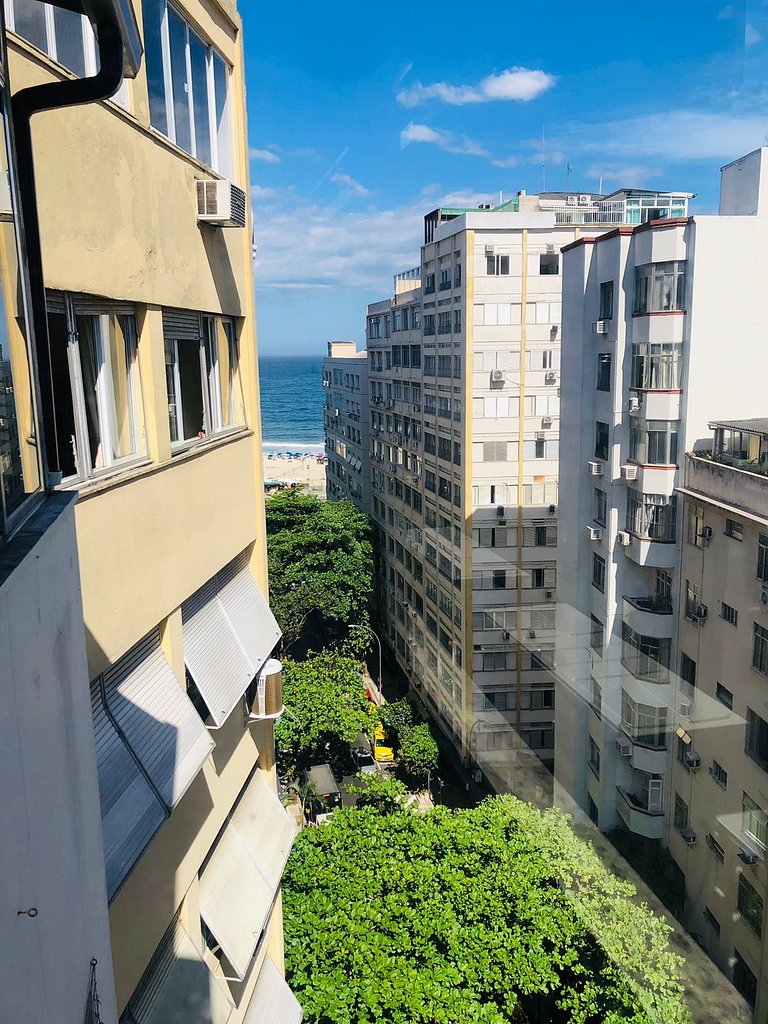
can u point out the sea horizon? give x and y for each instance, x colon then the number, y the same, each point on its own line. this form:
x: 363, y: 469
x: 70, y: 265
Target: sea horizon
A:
x: 292, y: 400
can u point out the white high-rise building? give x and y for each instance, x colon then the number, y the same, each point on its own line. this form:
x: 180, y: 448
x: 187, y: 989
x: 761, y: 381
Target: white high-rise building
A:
x: 663, y: 327
x: 464, y: 374
x: 345, y: 380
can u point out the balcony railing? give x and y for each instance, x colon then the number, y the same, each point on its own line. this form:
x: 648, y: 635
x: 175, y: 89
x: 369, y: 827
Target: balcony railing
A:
x: 640, y: 803
x: 655, y: 603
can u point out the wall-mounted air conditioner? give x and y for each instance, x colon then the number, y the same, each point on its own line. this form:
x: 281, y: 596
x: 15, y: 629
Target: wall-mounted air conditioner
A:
x: 220, y: 203
x: 685, y: 708
x: 624, y: 538
x: 594, y: 533
x: 546, y: 421
x: 634, y: 404
x: 599, y: 327
x: 595, y: 468
x: 541, y: 435
x: 706, y: 533
x: 629, y: 472
x: 624, y: 746
x: 692, y: 759
x: 497, y: 376
x: 550, y: 377
x: 585, y: 200
x: 500, y: 511
x: 688, y: 836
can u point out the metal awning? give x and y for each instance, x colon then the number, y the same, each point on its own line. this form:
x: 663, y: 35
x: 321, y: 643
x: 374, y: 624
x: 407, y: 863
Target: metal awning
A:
x: 178, y: 987
x: 131, y: 812
x: 272, y: 1001
x: 229, y: 632
x: 157, y: 718
x: 150, y: 745
x: 239, y: 884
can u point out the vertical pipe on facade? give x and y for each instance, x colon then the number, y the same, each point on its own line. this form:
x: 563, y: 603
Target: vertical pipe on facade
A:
x: 24, y: 104
x: 520, y: 465
x: 467, y: 427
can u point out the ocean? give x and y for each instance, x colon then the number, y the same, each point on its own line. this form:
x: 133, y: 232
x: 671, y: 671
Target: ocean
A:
x: 292, y: 401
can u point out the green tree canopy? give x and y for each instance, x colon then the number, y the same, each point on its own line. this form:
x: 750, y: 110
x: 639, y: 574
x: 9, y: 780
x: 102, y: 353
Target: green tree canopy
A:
x: 320, y: 560
x: 397, y: 717
x: 325, y: 702
x: 383, y: 792
x: 418, y: 751
x: 497, y: 914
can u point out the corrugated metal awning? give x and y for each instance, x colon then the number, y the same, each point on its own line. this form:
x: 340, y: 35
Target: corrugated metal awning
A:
x: 131, y: 812
x: 229, y: 632
x: 272, y: 1001
x: 242, y: 877
x: 157, y: 718
x: 182, y: 324
x: 178, y: 987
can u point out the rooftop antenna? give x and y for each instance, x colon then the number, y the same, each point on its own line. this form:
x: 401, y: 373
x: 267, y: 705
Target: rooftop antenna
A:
x: 600, y: 187
x: 501, y: 198
x: 568, y: 169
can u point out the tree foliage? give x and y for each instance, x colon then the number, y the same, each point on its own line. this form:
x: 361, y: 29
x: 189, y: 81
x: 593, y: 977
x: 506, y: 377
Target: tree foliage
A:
x: 320, y: 560
x: 325, y: 703
x: 496, y: 914
x: 397, y: 717
x: 383, y: 792
x: 418, y: 751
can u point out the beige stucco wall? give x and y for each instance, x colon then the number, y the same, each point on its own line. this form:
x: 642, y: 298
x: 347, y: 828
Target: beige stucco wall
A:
x: 118, y: 219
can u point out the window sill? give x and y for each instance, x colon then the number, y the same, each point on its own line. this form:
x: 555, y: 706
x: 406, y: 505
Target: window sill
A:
x: 661, y: 312
x: 145, y: 467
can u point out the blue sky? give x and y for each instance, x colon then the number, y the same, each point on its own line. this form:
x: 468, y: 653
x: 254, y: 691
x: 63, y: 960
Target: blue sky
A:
x: 362, y: 118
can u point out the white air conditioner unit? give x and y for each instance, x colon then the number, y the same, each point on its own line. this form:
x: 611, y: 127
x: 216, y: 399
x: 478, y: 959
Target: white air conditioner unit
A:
x: 550, y: 377
x: 701, y: 613
x: 634, y: 404
x: 595, y: 468
x: 688, y: 836
x: 624, y: 538
x: 500, y: 511
x: 497, y: 376
x: 747, y: 855
x: 220, y: 203
x: 489, y: 250
x: 685, y: 708
x: 506, y: 636
x: 546, y: 421
x: 599, y: 327
x: 764, y: 599
x: 692, y: 759
x: 585, y: 200
x: 629, y: 472
x: 624, y: 746
x: 570, y: 200
x: 594, y: 533
x: 706, y: 533
x: 550, y: 595
x: 541, y: 435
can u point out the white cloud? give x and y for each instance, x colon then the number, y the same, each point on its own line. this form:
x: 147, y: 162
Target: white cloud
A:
x: 259, y: 193
x: 751, y: 35
x: 669, y: 135
x: 348, y: 182
x: 266, y: 155
x: 307, y: 246
x: 726, y: 13
x: 448, y: 141
x: 507, y: 161
x: 521, y: 84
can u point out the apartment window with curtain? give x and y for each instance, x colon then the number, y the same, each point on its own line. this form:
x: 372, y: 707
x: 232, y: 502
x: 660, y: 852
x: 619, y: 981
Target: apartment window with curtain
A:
x: 606, y: 300
x: 652, y: 516
x: 653, y: 443
x: 96, y: 384
x: 660, y: 287
x: 657, y: 366
x: 644, y: 724
x: 188, y: 85
x: 646, y: 657
x: 202, y: 370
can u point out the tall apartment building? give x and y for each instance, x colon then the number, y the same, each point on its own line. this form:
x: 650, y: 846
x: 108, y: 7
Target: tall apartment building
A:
x: 464, y: 374
x: 345, y: 414
x: 717, y: 828
x: 142, y: 828
x: 653, y: 314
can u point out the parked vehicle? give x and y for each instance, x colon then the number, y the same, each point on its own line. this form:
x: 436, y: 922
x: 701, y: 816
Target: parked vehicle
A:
x: 325, y: 784
x: 382, y: 750
x: 363, y: 756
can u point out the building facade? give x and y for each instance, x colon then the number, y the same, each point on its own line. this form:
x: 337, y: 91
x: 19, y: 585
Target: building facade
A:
x: 464, y: 374
x: 649, y: 360
x: 345, y: 414
x: 153, y: 441
x: 717, y: 827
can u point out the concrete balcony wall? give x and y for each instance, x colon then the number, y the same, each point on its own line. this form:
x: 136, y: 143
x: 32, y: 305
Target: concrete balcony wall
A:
x: 648, y: 623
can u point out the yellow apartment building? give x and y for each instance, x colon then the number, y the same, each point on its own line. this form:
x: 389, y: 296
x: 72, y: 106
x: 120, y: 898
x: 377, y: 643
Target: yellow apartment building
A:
x: 153, y: 432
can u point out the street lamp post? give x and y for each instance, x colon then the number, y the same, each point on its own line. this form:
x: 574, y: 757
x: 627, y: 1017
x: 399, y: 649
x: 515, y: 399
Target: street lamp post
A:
x: 360, y: 625
x: 475, y: 724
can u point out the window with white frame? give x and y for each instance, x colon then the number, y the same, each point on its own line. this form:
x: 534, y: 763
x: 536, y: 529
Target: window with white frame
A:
x: 188, y: 85
x: 67, y: 37
x: 202, y: 377
x: 96, y: 384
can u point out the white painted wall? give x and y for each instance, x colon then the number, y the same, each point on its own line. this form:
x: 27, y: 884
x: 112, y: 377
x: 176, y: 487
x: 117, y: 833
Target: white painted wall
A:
x: 50, y: 842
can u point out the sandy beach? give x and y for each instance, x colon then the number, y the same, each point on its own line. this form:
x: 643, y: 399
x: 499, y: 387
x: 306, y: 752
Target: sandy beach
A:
x: 288, y: 469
